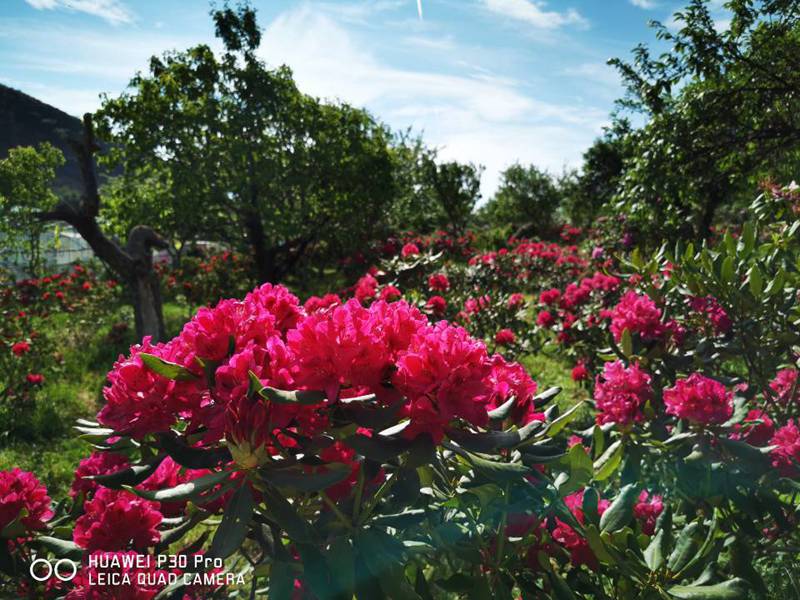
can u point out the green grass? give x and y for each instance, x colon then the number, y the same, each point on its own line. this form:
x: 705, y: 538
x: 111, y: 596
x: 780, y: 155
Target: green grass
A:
x: 53, y: 461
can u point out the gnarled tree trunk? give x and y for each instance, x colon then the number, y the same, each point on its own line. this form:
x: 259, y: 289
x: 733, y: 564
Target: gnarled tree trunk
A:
x: 132, y: 264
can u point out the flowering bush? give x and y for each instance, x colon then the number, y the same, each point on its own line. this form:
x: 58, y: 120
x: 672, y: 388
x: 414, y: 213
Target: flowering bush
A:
x: 365, y: 448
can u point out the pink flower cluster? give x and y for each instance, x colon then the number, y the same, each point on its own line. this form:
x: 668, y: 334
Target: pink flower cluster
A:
x: 117, y: 520
x: 342, y: 349
x: 785, y: 386
x: 713, y: 312
x: 620, y: 392
x: 786, y: 455
x: 638, y: 314
x: 700, y: 400
x: 23, y: 497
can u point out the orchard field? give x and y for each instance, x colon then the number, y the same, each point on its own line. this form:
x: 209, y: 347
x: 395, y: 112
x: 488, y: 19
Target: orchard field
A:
x: 339, y: 376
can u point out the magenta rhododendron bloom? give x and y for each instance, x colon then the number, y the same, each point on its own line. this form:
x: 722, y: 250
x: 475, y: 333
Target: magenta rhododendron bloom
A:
x: 390, y: 293
x: 511, y: 379
x: 366, y: 288
x: 564, y: 534
x: 620, y: 392
x: 785, y: 386
x: 786, y: 455
x: 505, y: 337
x: 444, y: 374
x: 98, y: 463
x: 436, y: 304
x: 699, y: 399
x: 439, y: 282
x: 638, y: 314
x: 710, y: 307
x: 647, y: 509
x: 545, y: 319
x: 757, y: 429
x: 579, y: 372
x: 516, y: 300
x: 409, y: 249
x: 117, y: 520
x: 20, y: 348
x: 549, y: 296
x: 34, y: 378
x: 22, y: 491
x: 317, y: 304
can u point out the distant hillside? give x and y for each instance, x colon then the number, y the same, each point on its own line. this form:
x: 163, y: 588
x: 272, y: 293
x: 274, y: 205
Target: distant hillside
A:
x: 26, y: 121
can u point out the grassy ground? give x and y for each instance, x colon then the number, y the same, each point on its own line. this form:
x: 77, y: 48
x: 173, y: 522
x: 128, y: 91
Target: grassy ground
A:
x: 46, y: 445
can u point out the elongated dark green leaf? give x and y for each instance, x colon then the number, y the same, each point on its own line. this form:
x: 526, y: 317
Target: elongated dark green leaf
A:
x: 686, y: 546
x: 384, y: 556
x: 190, y: 490
x: 193, y: 458
x: 489, y: 441
x: 545, y: 397
x: 655, y: 555
x: 407, y: 518
x: 283, y: 513
x: 579, y: 471
x: 166, y: 369
x: 555, y: 427
x: 620, y: 512
x: 605, y: 466
x: 560, y: 587
x: 133, y: 475
x: 299, y: 480
x: 501, y: 412
x: 735, y: 589
x: 281, y: 580
x: 377, y: 447
x: 341, y: 558
x: 306, y: 397
x: 232, y: 531
x: 60, y: 548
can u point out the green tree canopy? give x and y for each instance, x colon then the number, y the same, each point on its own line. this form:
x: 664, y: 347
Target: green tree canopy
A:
x: 230, y: 149
x: 722, y: 108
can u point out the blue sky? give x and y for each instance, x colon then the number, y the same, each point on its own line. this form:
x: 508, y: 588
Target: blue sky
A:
x: 487, y: 81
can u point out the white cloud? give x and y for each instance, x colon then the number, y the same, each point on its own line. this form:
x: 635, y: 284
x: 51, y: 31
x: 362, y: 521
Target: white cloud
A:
x: 470, y: 115
x: 533, y: 12
x: 601, y: 73
x: 113, y: 11
x: 645, y: 4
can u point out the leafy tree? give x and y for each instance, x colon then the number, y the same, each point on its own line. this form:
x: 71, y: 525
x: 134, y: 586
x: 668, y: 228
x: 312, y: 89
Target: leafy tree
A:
x: 721, y: 107
x: 596, y: 184
x: 239, y: 154
x: 455, y: 187
x: 527, y: 199
x: 26, y: 179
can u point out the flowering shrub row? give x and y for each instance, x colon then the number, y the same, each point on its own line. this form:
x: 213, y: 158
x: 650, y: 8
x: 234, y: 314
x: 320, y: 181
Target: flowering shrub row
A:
x: 365, y: 448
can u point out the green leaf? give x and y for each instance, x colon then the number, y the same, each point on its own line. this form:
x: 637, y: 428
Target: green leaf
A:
x: 60, y: 548
x: 232, y: 531
x: 620, y: 512
x: 558, y: 424
x: 377, y: 447
x: 501, y: 412
x: 298, y: 480
x: 384, y: 556
x: 609, y: 462
x: 686, y: 546
x: 598, y: 546
x: 271, y: 394
x: 547, y: 395
x: 193, y: 458
x: 756, y: 281
x: 727, y: 272
x: 341, y: 558
x: 191, y: 490
x: 656, y: 551
x: 173, y: 535
x: 133, y: 475
x: 285, y: 515
x: 560, y: 587
x: 579, y: 473
x: 735, y: 589
x: 497, y: 471
x: 281, y: 580
x: 489, y: 441
x: 626, y: 343
x: 166, y: 369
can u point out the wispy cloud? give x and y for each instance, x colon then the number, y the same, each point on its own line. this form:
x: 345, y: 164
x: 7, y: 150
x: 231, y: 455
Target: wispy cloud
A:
x: 470, y: 115
x: 645, y: 4
x: 533, y: 12
x: 113, y: 11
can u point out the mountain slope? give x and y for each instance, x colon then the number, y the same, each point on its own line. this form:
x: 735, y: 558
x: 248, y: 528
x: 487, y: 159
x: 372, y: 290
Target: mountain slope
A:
x: 26, y: 121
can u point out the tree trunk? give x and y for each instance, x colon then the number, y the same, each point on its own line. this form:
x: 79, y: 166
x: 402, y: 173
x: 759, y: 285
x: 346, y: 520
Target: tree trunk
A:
x: 713, y: 200
x: 132, y: 264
